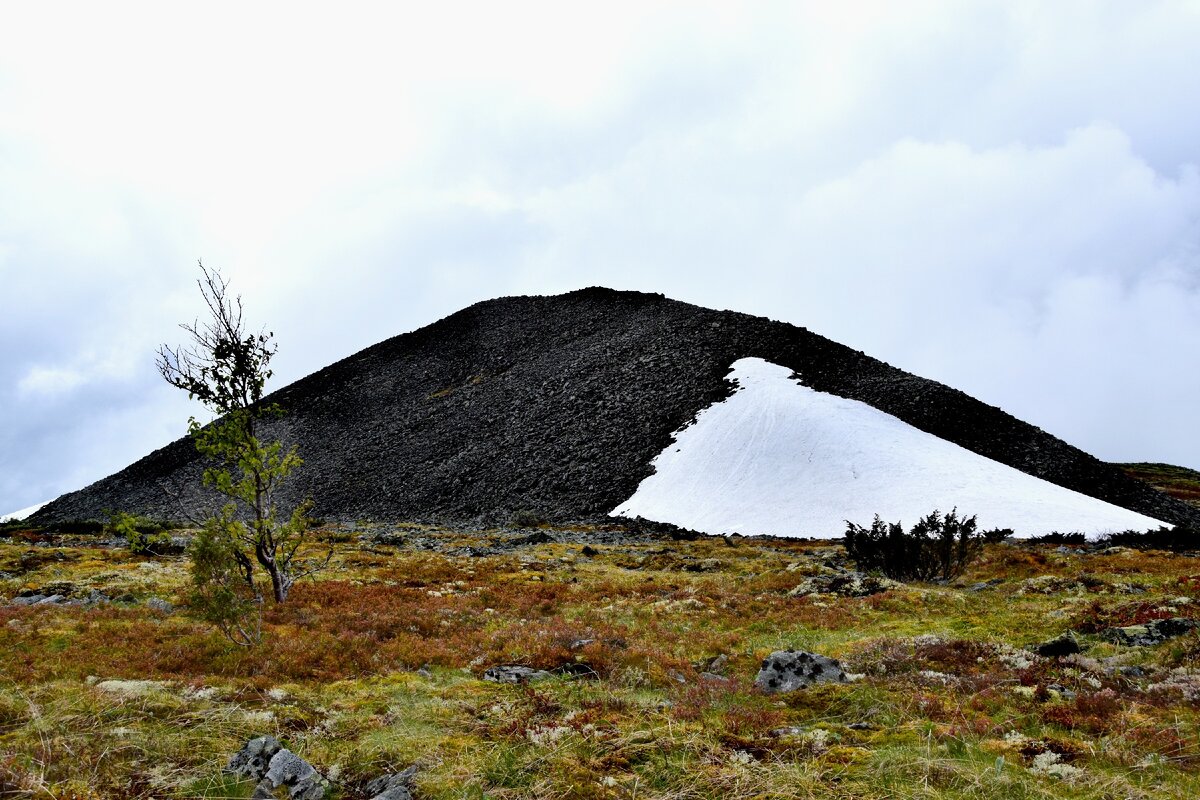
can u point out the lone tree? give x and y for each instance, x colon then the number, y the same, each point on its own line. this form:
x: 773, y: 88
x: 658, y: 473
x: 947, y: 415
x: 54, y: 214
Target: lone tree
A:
x: 226, y: 368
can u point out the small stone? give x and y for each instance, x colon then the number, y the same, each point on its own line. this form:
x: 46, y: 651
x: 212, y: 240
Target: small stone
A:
x: 160, y: 605
x: 1061, y: 691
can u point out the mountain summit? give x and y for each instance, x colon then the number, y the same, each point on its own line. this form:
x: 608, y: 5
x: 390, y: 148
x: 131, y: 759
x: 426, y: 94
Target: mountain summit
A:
x: 559, y: 406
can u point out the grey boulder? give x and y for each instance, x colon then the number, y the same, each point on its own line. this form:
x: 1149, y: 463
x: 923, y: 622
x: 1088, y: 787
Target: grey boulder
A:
x: 292, y: 772
x: 254, y: 759
x: 397, y: 786
x: 514, y: 673
x: 789, y: 670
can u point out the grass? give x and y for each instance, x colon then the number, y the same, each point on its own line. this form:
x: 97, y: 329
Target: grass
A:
x: 1179, y: 482
x: 116, y: 700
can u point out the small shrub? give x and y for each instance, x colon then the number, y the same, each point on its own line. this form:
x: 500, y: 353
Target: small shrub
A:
x: 142, y: 536
x: 224, y: 592
x: 1177, y: 539
x: 1054, y: 537
x: 937, y: 547
x: 526, y: 519
x: 996, y: 535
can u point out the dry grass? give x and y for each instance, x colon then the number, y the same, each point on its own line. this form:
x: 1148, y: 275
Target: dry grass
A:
x: 949, y: 705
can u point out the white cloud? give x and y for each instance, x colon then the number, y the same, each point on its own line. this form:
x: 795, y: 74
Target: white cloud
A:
x: 48, y: 381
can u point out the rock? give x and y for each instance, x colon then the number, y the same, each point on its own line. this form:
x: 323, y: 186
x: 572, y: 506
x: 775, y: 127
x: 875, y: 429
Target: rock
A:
x: 1064, y: 644
x: 789, y: 670
x: 1061, y: 691
x: 292, y: 772
x: 397, y: 786
x: 158, y: 604
x: 979, y: 587
x: 712, y: 677
x: 254, y: 758
x: 537, y: 537
x: 514, y: 673
x: 96, y: 597
x: 28, y: 599
x: 1151, y: 633
x: 845, y: 584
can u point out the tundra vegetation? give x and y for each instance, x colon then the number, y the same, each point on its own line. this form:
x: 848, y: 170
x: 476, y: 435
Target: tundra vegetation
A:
x: 652, y: 645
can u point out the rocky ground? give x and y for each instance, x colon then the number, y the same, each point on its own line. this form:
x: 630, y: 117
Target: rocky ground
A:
x: 574, y: 661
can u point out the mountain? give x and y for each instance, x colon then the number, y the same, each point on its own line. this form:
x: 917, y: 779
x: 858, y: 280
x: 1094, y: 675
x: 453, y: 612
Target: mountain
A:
x: 558, y: 406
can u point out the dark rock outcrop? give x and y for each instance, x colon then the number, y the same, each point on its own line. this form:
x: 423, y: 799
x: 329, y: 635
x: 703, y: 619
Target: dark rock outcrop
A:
x: 1064, y: 644
x: 555, y: 407
x: 1151, y: 633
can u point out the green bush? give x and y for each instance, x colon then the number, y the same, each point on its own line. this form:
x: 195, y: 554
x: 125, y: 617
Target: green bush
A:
x: 937, y: 547
x: 142, y: 536
x: 224, y: 592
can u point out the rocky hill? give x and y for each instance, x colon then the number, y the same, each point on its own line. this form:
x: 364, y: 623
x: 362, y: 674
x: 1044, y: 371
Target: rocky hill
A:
x: 557, y: 405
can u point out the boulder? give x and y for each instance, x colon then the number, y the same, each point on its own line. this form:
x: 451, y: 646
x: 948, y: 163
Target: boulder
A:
x: 397, y: 786
x: 160, y: 605
x: 514, y: 673
x: 1064, y: 644
x: 789, y: 670
x: 845, y: 584
x: 254, y: 758
x: 290, y: 771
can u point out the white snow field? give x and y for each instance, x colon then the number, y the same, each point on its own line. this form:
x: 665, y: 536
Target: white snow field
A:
x: 22, y: 514
x: 779, y: 458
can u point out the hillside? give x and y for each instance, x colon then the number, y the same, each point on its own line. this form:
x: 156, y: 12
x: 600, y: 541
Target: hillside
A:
x: 1178, y: 482
x: 558, y: 405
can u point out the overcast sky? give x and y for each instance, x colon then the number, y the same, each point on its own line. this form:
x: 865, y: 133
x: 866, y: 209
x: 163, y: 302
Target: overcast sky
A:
x: 1001, y: 196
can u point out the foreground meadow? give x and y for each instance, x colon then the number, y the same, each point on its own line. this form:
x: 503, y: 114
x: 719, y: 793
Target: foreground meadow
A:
x: 652, y: 645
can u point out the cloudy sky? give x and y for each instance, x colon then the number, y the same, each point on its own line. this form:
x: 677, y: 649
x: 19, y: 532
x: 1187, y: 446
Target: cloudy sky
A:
x: 1002, y: 196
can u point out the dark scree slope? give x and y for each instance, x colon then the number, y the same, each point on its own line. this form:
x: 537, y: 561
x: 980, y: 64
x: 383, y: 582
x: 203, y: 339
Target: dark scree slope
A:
x: 557, y: 405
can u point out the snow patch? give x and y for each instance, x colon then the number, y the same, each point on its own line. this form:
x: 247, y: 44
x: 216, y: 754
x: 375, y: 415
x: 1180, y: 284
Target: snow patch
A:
x: 22, y: 514
x: 780, y: 458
